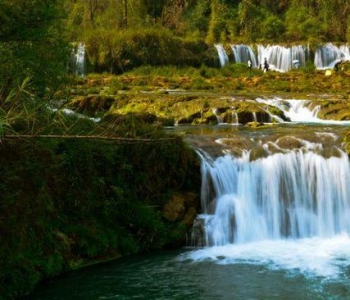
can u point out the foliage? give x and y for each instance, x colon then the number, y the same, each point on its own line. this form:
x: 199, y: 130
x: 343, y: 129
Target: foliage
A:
x: 123, y: 34
x: 273, y: 28
x: 68, y: 202
x: 124, y: 50
x: 32, y: 44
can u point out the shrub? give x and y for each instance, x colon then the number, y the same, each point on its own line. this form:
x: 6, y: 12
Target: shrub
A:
x: 119, y: 51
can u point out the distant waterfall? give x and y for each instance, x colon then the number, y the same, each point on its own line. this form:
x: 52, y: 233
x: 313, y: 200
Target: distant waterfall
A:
x: 281, y: 58
x: 77, y: 63
x: 329, y: 54
x: 296, y: 194
x: 222, y: 55
x: 242, y: 53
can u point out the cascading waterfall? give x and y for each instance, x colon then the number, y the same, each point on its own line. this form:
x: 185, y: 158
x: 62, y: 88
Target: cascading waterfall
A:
x: 298, y: 194
x: 79, y: 60
x: 222, y: 55
x: 281, y: 58
x: 235, y: 118
x: 328, y: 55
x: 218, y: 117
x: 255, y: 118
x: 295, y: 110
x: 301, y: 111
x: 242, y: 53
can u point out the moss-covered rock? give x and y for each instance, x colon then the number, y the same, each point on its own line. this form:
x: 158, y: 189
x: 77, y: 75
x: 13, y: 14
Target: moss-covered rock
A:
x: 91, y: 104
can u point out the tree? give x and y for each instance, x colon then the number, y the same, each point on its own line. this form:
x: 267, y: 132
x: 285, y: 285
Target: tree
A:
x: 32, y: 45
x: 220, y: 24
x: 301, y: 24
x: 273, y: 28
x: 251, y: 16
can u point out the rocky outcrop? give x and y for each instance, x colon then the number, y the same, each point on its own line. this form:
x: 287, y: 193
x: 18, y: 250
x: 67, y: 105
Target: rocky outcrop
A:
x: 182, y: 207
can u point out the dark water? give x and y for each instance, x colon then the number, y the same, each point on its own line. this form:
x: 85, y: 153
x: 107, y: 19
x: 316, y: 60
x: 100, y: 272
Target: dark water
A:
x: 167, y: 276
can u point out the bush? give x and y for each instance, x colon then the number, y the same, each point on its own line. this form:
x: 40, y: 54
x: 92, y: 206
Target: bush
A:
x: 120, y: 51
x: 68, y: 202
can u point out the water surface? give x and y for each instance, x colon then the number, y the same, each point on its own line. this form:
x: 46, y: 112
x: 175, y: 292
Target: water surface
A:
x: 192, y: 274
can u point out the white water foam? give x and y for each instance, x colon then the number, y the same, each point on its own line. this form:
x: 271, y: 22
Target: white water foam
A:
x: 287, y: 211
x: 299, y: 111
x: 311, y: 257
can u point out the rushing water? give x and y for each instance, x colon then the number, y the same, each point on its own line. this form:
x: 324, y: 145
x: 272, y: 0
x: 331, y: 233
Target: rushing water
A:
x: 283, y: 59
x: 262, y: 259
x: 275, y: 222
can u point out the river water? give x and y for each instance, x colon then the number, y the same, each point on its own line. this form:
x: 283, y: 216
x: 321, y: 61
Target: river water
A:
x: 179, y: 275
x: 275, y: 224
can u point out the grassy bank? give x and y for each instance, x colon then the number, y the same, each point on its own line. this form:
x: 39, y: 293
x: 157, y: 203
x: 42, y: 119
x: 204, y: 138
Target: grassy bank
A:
x: 120, y: 186
x: 232, y: 79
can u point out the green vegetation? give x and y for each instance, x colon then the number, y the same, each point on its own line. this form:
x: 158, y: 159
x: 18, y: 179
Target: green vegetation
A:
x: 92, y: 191
x: 68, y: 202
x: 36, y: 37
x: 33, y: 47
x: 169, y: 95
x: 123, y: 34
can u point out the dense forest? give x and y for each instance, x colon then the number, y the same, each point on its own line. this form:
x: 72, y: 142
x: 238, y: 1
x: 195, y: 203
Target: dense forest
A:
x: 36, y: 36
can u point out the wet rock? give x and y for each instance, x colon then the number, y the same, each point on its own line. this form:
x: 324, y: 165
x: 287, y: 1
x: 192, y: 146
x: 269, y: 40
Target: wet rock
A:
x: 198, y: 233
x: 289, y: 142
x: 254, y: 124
x: 245, y: 117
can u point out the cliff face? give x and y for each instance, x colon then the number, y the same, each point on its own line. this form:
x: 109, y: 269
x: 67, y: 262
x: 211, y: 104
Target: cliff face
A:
x: 67, y: 203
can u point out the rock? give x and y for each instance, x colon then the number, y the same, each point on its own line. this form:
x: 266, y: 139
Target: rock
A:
x: 254, y: 124
x: 175, y: 209
x: 182, y: 207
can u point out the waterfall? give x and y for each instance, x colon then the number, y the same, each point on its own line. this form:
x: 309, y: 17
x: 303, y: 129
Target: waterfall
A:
x: 255, y: 117
x: 78, y: 60
x: 281, y: 58
x: 235, y: 118
x: 302, y: 111
x: 218, y: 117
x: 298, y: 194
x: 328, y: 55
x: 242, y: 53
x: 222, y: 54
x: 295, y: 110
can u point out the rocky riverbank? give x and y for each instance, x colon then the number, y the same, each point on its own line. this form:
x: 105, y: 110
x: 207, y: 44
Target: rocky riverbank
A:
x: 208, y: 96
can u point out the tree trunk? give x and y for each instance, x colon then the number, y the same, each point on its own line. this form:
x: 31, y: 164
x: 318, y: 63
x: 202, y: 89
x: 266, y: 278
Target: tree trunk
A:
x: 125, y: 14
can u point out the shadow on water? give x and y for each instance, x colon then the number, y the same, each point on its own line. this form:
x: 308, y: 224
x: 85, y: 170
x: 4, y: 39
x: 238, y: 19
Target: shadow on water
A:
x: 168, y: 275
